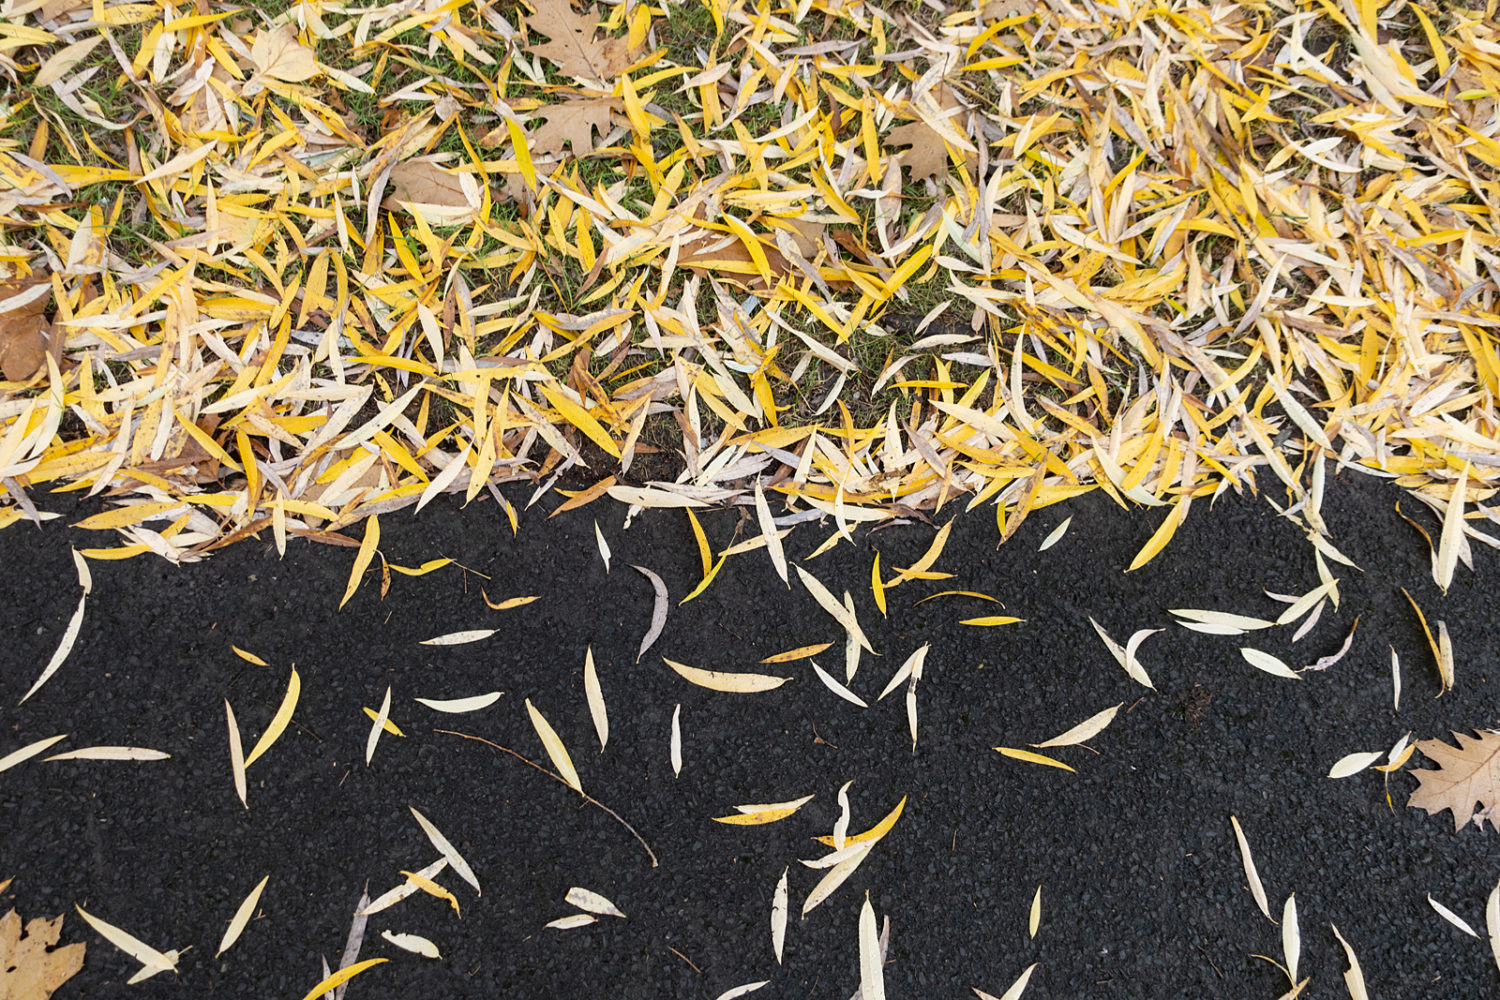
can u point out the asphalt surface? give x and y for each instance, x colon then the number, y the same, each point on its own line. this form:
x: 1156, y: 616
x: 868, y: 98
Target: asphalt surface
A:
x: 1143, y: 890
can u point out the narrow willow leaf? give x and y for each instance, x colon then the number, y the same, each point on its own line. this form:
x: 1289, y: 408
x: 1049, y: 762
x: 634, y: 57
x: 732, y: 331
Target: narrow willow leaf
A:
x: 380, y: 717
x: 922, y: 565
x: 571, y: 923
x: 768, y: 532
x: 831, y: 605
x: 1016, y: 988
x: 658, y: 611
x: 841, y: 825
x: 64, y: 647
x: 389, y: 726
x: 871, y: 969
x: 992, y: 620
x: 248, y: 657
x: 717, y: 680
x: 837, y: 876
x: 833, y: 685
x: 1453, y: 533
x: 1223, y: 618
x: 1160, y: 538
x: 458, y: 706
x: 129, y: 944
x: 603, y: 547
x: 1251, y: 875
x: 703, y: 584
x: 1268, y: 663
x: 1445, y: 657
x: 1033, y: 758
x: 1352, y: 764
x: 1304, y: 604
x: 362, y: 558
x: 459, y: 638
x: 676, y: 748
x: 875, y: 833
x: 1035, y: 919
x: 414, y: 943
x: 705, y: 554
x: 913, y: 663
x: 241, y: 918
x: 739, y: 991
x: 280, y: 720
x: 341, y: 977
x: 556, y: 752
x: 447, y: 850
x: 111, y: 753
x: 592, y: 902
x: 1291, y: 937
x: 595, y: 697
x: 510, y: 602
x: 1451, y: 917
x: 27, y: 752
x: 236, y: 756
x: 1395, y: 680
x: 1055, y: 536
x: 1354, y: 977
x: 877, y: 585
x: 1084, y: 731
x: 430, y: 887
x: 1125, y: 655
x: 761, y: 814
x: 388, y: 899
x: 778, y: 915
x: 800, y: 653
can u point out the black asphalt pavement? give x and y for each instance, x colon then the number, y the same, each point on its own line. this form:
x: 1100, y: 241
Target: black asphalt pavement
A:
x: 1143, y: 891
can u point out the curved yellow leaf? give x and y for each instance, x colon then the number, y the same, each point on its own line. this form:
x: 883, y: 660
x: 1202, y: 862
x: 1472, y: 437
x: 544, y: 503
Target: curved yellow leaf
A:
x: 800, y: 653
x: 241, y: 917
x: 554, y: 747
x: 279, y: 720
x: 1159, y: 540
x: 874, y: 833
x: 362, y: 558
x: 341, y: 977
x: 1033, y: 758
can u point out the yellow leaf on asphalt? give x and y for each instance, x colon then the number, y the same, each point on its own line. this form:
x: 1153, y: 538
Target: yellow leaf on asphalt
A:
x: 556, y: 752
x: 362, y: 558
x: 717, y: 680
x: 279, y: 720
x: 1032, y: 758
x: 242, y: 916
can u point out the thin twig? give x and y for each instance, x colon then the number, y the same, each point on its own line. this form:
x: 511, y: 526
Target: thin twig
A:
x: 557, y: 777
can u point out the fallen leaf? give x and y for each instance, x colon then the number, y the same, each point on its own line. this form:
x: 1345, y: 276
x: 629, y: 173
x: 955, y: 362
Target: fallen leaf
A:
x: 1270, y: 664
x: 833, y: 685
x: 1451, y: 917
x: 595, y: 696
x: 131, y: 945
x: 1033, y: 758
x: 24, y: 330
x: 1034, y: 919
x: 379, y: 724
x: 33, y: 965
x: 241, y: 918
x: 414, y: 943
x: 800, y: 653
x: 658, y: 611
x: 592, y: 902
x: 778, y: 915
x: 676, y: 748
x: 280, y: 720
x: 27, y: 752
x: 111, y: 753
x: 718, y: 680
x: 278, y: 54
x: 460, y: 638
x: 236, y: 755
x: 1016, y: 988
x: 1251, y: 875
x: 571, y: 122
x: 458, y: 706
x: 574, y: 44
x: 340, y: 977
x: 553, y: 744
x: 871, y: 972
x: 1084, y: 731
x: 1354, y: 977
x: 570, y: 923
x: 1467, y: 776
x: 992, y: 620
x: 1352, y: 764
x: 446, y: 849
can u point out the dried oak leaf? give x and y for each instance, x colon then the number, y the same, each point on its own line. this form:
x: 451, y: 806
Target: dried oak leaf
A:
x: 574, y: 45
x: 24, y: 330
x: 442, y: 197
x: 927, y: 157
x: 1466, y: 776
x: 32, y: 967
x: 278, y: 54
x: 573, y: 122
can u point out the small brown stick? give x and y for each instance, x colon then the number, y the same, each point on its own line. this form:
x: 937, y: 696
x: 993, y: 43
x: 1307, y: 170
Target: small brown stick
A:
x: 557, y: 777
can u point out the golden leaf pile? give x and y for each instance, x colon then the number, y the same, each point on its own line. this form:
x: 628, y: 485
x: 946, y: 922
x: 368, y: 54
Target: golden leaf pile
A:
x: 301, y: 264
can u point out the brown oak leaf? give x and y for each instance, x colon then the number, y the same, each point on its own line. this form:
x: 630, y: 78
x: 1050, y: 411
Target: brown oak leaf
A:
x: 32, y: 967
x: 1467, y: 776
x: 574, y: 44
x: 573, y: 122
x: 24, y: 330
x: 927, y: 157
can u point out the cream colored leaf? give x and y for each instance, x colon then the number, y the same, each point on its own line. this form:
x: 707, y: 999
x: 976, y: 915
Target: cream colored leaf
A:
x: 1451, y: 917
x: 27, y: 752
x: 236, y: 756
x: 837, y: 688
x: 603, y: 547
x: 1492, y: 922
x: 1251, y: 875
x: 111, y: 753
x: 460, y: 638
x: 414, y: 943
x: 871, y: 971
x: 458, y: 706
x: 1291, y: 937
x: 768, y: 532
x: 831, y: 605
x: 570, y: 923
x: 241, y: 918
x: 1352, y: 764
x: 375, y: 730
x: 1016, y: 988
x: 447, y: 850
x: 778, y: 916
x: 592, y: 902
x: 1084, y: 731
x: 733, y: 683
x: 1223, y: 618
x: 129, y: 944
x: 278, y: 54
x: 553, y: 744
x: 1354, y: 977
x: 1034, y: 919
x: 676, y: 748
x: 1270, y: 664
x: 1453, y: 533
x: 61, y: 62
x: 595, y: 696
x: 658, y: 611
x: 1467, y: 777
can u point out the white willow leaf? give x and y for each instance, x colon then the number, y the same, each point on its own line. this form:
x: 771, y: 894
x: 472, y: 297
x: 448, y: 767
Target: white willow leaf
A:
x: 1492, y: 922
x: 1268, y: 663
x: 768, y: 532
x: 1453, y: 533
x: 553, y: 744
x: 388, y: 899
x: 111, y: 753
x: 739, y: 991
x: 1016, y: 988
x: 592, y: 902
x: 830, y: 604
x: 375, y: 730
x: 676, y: 749
x: 242, y: 917
x: 1354, y: 977
x: 908, y: 669
x: 414, y: 943
x: 129, y: 944
x: 459, y: 638
x: 236, y: 756
x: 1055, y: 536
x: 1034, y: 918
x: 836, y: 876
x: 595, y: 696
x: 1222, y: 618
x: 871, y: 969
x: 458, y: 706
x: 658, y: 611
x: 1291, y: 937
x: 603, y: 547
x: 1084, y: 731
x: 27, y: 752
x: 1451, y: 917
x: 570, y: 923
x: 1251, y: 875
x: 833, y: 685
x: 447, y: 850
x: 1352, y: 764
x: 778, y: 916
x: 718, y: 680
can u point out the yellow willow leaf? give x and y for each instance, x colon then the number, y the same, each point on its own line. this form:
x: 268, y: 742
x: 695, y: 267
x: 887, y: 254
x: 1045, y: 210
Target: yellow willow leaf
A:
x: 446, y: 849
x: 460, y: 638
x: 422, y: 570
x: 959, y: 593
x: 922, y: 565
x: 341, y: 977
x: 509, y: 602
x: 800, y: 653
x: 248, y: 657
x: 1082, y: 732
x: 874, y: 833
x: 877, y: 586
x: 1033, y: 758
x: 389, y: 726
x: 430, y: 887
x: 582, y: 419
x: 554, y: 747
x: 124, y: 517
x: 768, y: 531
x: 992, y: 620
x: 705, y: 555
x: 595, y: 697
x: 1159, y: 540
x: 521, y: 146
x: 703, y: 584
x: 717, y: 680
x: 241, y: 917
x: 362, y: 558
x: 458, y: 706
x: 279, y: 720
x: 1432, y: 643
x: 763, y: 815
x: 236, y: 756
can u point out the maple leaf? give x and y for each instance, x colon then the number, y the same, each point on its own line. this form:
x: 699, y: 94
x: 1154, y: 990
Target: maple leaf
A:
x: 573, y: 122
x: 1466, y: 776
x: 32, y: 967
x: 574, y: 46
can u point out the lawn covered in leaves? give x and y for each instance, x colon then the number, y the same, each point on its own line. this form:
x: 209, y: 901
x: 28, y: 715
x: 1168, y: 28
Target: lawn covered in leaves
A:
x: 288, y: 265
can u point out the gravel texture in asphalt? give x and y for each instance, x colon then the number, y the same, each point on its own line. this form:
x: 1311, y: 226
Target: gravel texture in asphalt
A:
x: 1142, y: 887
